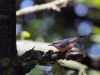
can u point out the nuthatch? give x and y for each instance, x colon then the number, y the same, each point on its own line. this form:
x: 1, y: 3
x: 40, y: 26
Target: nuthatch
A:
x: 66, y: 44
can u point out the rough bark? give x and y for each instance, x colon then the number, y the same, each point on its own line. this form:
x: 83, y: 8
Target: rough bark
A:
x: 9, y: 64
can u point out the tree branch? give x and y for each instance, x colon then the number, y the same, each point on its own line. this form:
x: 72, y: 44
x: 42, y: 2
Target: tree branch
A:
x: 43, y: 54
x: 55, y: 5
x: 74, y: 65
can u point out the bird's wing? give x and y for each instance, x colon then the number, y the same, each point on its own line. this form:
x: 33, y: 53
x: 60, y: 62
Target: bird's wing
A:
x: 64, y: 43
x: 54, y: 43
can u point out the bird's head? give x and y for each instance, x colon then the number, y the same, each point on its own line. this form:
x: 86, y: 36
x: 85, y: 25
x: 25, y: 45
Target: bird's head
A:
x: 76, y: 39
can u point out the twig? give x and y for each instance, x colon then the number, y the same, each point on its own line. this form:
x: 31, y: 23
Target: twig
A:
x: 55, y: 5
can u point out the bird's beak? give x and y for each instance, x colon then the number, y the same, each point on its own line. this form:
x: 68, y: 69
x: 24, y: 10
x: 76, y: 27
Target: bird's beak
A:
x: 81, y: 36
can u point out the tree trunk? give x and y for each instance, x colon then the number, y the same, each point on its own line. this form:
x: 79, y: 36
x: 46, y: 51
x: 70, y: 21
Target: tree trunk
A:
x: 9, y: 64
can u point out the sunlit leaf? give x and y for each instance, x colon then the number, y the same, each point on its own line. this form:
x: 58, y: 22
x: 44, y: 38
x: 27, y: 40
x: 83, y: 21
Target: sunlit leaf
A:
x: 26, y: 34
x: 96, y: 30
x: 96, y: 3
x: 96, y: 38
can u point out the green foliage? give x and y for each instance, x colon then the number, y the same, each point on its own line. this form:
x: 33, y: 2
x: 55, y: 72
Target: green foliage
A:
x: 35, y: 71
x: 96, y: 35
x: 33, y: 28
x: 26, y: 34
x: 96, y: 3
x: 96, y: 38
x: 96, y: 30
x: 57, y: 70
x: 18, y: 20
x: 93, y: 72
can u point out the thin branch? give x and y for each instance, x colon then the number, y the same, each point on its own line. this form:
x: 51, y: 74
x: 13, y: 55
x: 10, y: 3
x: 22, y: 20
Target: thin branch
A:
x: 74, y: 65
x: 55, y: 5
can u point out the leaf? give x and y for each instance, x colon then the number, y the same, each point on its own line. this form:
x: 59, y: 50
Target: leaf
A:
x: 35, y: 71
x: 26, y: 34
x: 96, y: 30
x: 57, y: 70
x: 95, y: 38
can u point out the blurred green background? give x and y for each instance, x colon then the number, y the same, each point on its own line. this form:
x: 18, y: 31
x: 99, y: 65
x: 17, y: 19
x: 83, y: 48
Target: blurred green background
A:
x: 79, y: 17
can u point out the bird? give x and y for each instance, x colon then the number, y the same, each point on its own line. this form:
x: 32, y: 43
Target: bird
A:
x: 66, y: 44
